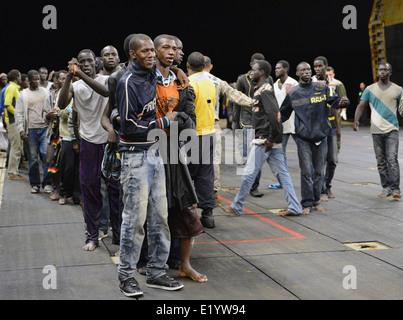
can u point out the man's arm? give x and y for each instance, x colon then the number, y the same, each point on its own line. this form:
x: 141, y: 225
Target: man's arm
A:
x: 106, y: 124
x: 234, y: 95
x: 66, y: 92
x: 358, y: 113
x: 271, y: 109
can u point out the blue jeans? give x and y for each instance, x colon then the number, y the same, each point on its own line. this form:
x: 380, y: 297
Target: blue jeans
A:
x: 276, y: 161
x: 311, y: 159
x: 248, y: 134
x: 144, y: 198
x: 37, y: 145
x: 386, y: 148
x: 331, y: 161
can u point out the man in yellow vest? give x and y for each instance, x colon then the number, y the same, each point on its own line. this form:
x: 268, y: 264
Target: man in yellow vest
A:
x: 202, y: 169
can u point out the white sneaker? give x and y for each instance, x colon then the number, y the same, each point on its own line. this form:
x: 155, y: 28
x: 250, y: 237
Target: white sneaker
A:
x: 35, y: 189
x: 48, y: 189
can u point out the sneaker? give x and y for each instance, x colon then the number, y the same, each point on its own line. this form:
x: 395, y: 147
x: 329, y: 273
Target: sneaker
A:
x: 48, y: 189
x: 107, y: 163
x: 63, y: 200
x: 130, y: 288
x: 330, y: 194
x: 35, y: 189
x: 275, y: 186
x: 207, y: 219
x: 384, y: 194
x: 164, y: 282
x: 319, y: 208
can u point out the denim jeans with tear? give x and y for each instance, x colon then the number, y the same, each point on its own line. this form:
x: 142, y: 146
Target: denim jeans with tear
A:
x: 144, y: 198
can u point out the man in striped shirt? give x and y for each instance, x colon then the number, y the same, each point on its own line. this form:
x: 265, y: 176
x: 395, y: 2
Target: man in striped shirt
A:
x: 384, y: 98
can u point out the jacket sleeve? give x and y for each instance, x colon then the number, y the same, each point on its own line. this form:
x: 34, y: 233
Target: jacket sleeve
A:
x: 271, y: 109
x: 333, y: 99
x: 186, y: 117
x: 286, y: 109
x: 234, y: 95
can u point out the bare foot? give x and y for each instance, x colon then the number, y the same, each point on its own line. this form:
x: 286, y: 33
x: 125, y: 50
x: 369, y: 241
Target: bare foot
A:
x: 319, y: 208
x: 306, y: 211
x: 90, y: 246
x: 192, y: 274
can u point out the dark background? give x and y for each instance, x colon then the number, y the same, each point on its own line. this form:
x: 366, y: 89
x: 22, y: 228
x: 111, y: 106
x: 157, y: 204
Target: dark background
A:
x: 227, y: 31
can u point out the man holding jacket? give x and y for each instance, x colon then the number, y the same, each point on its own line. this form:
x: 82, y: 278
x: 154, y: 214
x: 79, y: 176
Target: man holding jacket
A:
x: 142, y: 174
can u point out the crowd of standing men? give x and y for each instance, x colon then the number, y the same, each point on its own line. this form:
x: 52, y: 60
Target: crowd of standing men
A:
x: 97, y: 130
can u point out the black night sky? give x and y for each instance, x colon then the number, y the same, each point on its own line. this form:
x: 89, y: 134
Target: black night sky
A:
x: 227, y: 31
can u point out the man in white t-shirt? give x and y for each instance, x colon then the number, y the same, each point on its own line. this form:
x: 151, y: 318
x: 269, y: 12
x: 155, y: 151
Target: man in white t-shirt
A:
x: 32, y: 114
x: 90, y: 100
x: 281, y: 87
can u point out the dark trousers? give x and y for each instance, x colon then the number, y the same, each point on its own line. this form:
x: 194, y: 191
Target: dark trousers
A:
x: 91, y: 156
x: 69, y: 165
x: 202, y: 172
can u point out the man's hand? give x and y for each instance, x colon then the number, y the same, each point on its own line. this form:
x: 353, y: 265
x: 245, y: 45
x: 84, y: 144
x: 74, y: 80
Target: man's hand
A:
x: 268, y: 145
x: 24, y: 136
x: 171, y: 116
x: 76, y: 148
x: 52, y: 115
x: 73, y: 66
x: 111, y: 140
x: 343, y: 101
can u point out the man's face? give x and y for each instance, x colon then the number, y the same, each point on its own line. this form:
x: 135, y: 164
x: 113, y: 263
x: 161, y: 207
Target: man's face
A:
x: 110, y: 58
x: 60, y: 81
x: 384, y: 71
x: 144, y: 53
x: 43, y: 74
x: 86, y: 62
x: 3, y: 81
x: 304, y: 72
x: 24, y: 83
x: 330, y: 74
x: 280, y: 70
x: 179, y: 52
x: 256, y: 74
x: 320, y: 68
x: 34, y: 82
x: 166, y: 52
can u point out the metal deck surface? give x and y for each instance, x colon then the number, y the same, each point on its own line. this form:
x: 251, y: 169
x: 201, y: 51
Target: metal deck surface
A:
x: 257, y: 256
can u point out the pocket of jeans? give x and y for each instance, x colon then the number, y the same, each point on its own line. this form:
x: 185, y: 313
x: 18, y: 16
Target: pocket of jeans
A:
x: 136, y: 160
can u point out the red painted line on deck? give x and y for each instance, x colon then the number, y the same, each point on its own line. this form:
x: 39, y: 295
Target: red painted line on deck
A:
x: 295, y: 235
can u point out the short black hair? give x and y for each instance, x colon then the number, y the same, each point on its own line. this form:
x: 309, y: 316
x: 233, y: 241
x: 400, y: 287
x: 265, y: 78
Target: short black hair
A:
x: 32, y: 74
x: 158, y: 39
x: 135, y: 40
x: 24, y: 76
x: 385, y: 64
x: 265, y: 66
x: 13, y: 75
x: 285, y: 64
x: 207, y: 61
x: 323, y: 59
x: 257, y: 56
x: 196, y: 61
x: 87, y: 51
x: 126, y: 43
x: 58, y: 73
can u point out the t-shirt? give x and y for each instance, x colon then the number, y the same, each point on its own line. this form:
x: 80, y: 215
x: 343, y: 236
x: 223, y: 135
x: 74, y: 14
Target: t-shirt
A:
x: 384, y: 105
x: 288, y: 126
x: 90, y: 106
x: 36, y: 105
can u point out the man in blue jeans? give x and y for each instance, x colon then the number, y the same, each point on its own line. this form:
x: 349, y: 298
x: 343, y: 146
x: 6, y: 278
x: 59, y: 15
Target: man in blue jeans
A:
x: 142, y: 174
x: 384, y: 97
x: 32, y: 114
x: 310, y: 102
x: 267, y: 145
